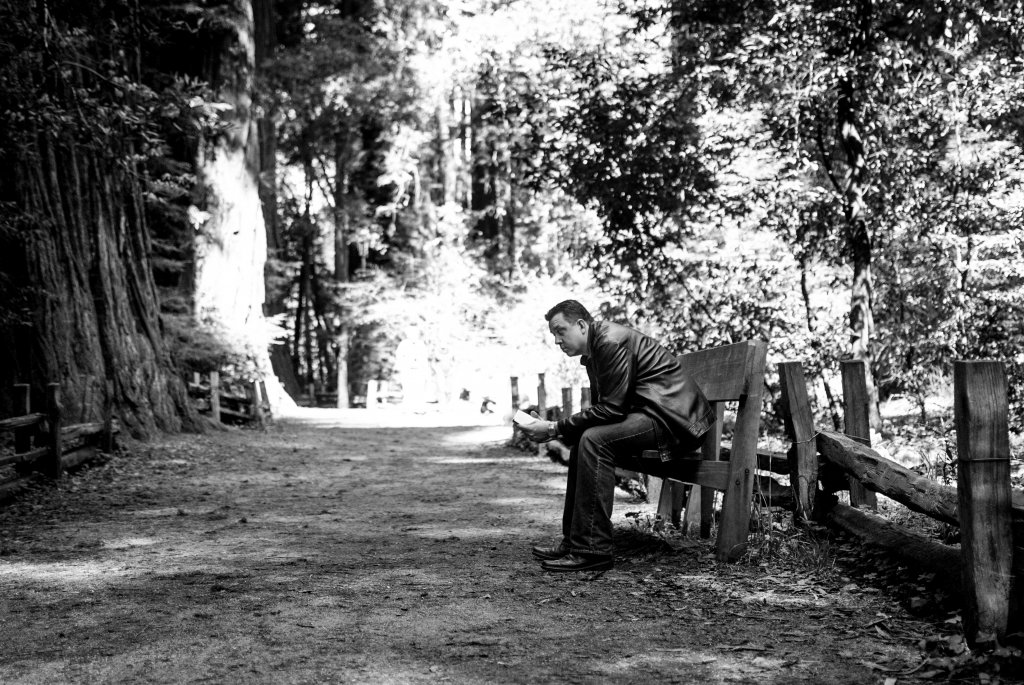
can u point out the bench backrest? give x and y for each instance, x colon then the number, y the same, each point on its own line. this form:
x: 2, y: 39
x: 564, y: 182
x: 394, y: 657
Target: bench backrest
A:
x: 729, y: 373
x: 725, y: 373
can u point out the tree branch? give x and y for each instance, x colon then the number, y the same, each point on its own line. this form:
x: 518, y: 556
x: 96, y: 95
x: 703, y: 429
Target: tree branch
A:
x: 828, y: 164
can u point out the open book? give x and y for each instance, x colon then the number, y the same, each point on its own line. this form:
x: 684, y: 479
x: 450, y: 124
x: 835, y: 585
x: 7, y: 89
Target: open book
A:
x: 523, y: 419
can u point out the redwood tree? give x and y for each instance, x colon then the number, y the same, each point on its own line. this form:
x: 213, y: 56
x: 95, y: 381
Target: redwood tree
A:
x: 76, y: 127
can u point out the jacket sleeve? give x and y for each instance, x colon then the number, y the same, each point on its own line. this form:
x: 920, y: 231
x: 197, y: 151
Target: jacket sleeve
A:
x: 615, y: 367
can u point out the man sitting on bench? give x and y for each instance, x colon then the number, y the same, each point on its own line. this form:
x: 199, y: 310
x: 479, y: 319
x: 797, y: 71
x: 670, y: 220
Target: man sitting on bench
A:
x: 642, y: 400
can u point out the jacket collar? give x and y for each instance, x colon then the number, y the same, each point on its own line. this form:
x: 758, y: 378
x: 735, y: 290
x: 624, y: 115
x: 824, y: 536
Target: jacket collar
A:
x: 591, y: 333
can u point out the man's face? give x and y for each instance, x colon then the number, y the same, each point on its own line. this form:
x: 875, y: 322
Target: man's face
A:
x: 571, y: 338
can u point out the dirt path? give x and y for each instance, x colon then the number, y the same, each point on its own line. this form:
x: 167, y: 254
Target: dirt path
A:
x: 330, y: 549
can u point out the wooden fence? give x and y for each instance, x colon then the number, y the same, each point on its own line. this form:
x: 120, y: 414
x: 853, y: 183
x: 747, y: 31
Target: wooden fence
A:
x: 542, y: 408
x: 234, y: 402
x: 989, y: 514
x: 43, y: 445
x: 988, y: 567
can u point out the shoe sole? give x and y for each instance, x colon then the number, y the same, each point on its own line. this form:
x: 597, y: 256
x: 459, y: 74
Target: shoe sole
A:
x: 600, y: 566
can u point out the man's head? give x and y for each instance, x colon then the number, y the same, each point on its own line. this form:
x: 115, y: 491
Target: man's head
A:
x: 569, y: 322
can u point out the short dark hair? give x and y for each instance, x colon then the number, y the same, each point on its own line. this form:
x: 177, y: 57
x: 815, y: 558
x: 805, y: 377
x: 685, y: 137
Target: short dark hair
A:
x: 572, y: 311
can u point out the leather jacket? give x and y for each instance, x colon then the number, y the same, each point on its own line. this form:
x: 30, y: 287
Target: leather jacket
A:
x: 631, y: 372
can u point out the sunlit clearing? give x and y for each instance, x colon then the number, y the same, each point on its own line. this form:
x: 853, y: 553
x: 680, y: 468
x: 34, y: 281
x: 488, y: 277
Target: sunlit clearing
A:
x: 125, y: 543
x: 479, y: 435
x: 532, y: 502
x: 390, y: 417
x: 471, y: 461
x: 557, y: 484
x: 718, y: 667
x: 64, y: 573
x: 504, y: 533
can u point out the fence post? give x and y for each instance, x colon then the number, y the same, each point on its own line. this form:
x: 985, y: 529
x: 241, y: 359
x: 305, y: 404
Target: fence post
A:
x: 253, y: 391
x: 215, y: 395
x: 799, y: 421
x: 22, y: 406
x: 23, y: 436
x: 264, y: 399
x: 371, y: 394
x: 566, y: 401
x: 980, y: 410
x: 542, y: 397
x: 584, y: 398
x: 53, y: 466
x: 86, y: 410
x: 514, y: 381
x: 858, y: 423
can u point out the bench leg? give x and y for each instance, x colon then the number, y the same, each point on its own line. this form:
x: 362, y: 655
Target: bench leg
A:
x: 734, y: 528
x: 670, y: 504
x: 710, y: 451
x: 707, y: 513
x: 694, y: 508
x: 653, y: 485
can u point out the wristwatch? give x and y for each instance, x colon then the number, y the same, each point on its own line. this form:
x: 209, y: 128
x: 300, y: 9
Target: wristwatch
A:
x: 552, y: 429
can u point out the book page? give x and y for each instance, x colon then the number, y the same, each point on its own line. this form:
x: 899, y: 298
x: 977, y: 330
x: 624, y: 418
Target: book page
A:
x: 523, y: 419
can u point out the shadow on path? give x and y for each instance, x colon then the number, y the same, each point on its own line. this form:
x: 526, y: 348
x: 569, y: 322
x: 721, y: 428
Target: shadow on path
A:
x: 363, y: 548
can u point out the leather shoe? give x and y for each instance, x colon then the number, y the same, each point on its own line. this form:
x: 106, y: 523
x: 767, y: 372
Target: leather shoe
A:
x: 579, y: 562
x: 556, y: 552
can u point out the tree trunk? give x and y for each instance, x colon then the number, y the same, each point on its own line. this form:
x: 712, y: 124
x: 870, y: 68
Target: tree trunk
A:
x: 342, y: 159
x: 858, y: 240
x: 231, y: 248
x: 93, y: 306
x: 447, y: 149
x: 79, y: 304
x: 267, y: 28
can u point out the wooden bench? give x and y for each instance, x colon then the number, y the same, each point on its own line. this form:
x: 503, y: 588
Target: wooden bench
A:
x: 731, y: 373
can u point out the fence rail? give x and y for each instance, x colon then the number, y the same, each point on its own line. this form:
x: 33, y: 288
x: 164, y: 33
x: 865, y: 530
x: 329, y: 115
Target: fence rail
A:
x: 43, y: 445
x: 237, y: 402
x: 989, y: 514
x: 822, y: 463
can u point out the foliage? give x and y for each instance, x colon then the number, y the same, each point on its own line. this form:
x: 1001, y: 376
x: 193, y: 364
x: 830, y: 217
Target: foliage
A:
x: 937, y: 97
x: 74, y: 75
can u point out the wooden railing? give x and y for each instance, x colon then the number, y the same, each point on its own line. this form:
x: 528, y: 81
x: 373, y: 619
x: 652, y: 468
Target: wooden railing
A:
x: 224, y: 403
x: 989, y: 514
x: 43, y: 445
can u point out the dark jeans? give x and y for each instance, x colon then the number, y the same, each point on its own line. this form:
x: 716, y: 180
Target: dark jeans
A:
x: 590, y: 487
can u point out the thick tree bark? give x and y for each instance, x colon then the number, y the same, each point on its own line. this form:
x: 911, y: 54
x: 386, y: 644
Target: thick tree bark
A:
x: 77, y: 262
x: 93, y: 312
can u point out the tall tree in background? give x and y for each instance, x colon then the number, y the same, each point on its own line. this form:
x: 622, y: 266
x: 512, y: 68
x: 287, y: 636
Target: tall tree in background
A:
x: 77, y: 126
x: 351, y: 121
x: 217, y: 43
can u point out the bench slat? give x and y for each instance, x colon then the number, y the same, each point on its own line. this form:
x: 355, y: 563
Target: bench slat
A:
x: 712, y: 474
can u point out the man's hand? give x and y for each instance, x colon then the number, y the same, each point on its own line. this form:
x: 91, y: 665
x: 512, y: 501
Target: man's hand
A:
x: 538, y: 431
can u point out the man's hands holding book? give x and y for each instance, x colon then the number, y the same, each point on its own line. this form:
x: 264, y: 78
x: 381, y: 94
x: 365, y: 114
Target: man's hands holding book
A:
x: 536, y: 428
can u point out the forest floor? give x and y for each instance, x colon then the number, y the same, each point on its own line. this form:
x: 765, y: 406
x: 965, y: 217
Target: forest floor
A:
x: 394, y: 547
